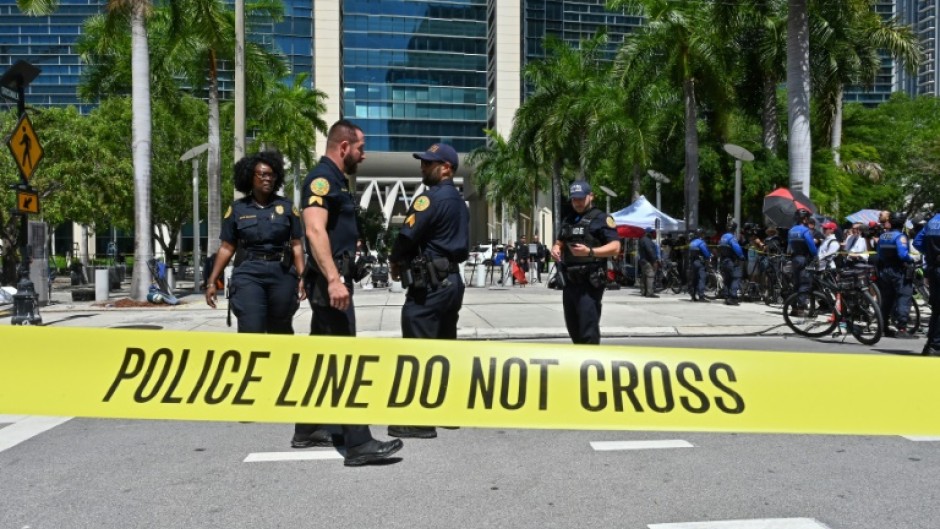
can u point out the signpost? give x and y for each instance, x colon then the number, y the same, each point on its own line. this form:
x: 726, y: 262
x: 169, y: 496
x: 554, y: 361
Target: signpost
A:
x: 27, y: 152
x: 740, y: 154
x: 193, y: 154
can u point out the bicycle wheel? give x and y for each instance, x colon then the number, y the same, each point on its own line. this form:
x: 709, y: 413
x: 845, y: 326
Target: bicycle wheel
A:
x: 864, y: 319
x: 816, y: 319
x: 913, y: 317
x: 674, y: 284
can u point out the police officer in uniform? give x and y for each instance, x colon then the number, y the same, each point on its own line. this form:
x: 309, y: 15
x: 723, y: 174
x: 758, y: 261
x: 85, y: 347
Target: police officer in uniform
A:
x: 698, y: 258
x: 896, y: 274
x: 802, y: 249
x: 730, y: 254
x: 263, y: 231
x: 928, y: 242
x: 426, y: 257
x: 588, y: 237
x: 329, y: 213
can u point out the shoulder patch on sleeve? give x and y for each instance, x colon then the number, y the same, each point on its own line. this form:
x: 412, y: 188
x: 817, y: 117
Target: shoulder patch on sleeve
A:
x: 903, y: 239
x: 320, y: 186
x: 228, y: 212
x: 295, y: 211
x: 279, y: 209
x: 315, y: 200
x: 422, y: 203
x: 610, y: 222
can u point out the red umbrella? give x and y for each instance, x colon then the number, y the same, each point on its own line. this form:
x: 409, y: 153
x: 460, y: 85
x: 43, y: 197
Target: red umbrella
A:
x: 781, y: 205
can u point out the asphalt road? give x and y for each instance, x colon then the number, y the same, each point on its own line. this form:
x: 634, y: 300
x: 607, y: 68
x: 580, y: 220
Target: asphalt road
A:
x: 103, y: 474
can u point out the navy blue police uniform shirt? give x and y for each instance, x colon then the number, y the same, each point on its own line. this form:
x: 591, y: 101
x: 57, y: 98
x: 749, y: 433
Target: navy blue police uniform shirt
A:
x: 603, y: 227
x: 328, y: 188
x: 438, y: 222
x: 928, y: 242
x: 892, y: 248
x: 260, y: 229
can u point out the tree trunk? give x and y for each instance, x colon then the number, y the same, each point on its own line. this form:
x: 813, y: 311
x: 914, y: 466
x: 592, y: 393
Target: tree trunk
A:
x: 556, y: 198
x: 798, y: 95
x: 140, y: 98
x: 691, y: 155
x: 836, y: 138
x: 637, y: 181
x: 769, y: 115
x: 214, y: 214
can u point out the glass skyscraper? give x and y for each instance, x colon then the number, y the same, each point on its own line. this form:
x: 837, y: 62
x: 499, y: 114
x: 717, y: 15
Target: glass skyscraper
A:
x: 573, y: 21
x: 414, y: 72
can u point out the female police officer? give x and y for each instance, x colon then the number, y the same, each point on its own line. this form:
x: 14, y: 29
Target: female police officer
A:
x: 266, y: 286
x: 588, y: 237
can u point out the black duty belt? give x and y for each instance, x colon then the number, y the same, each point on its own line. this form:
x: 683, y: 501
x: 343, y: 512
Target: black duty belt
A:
x: 260, y: 256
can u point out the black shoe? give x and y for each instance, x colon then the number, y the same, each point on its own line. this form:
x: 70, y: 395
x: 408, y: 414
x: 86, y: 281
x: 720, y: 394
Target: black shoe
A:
x: 652, y: 296
x: 414, y: 432
x: 371, y: 451
x: 904, y: 334
x: 732, y: 301
x: 703, y: 300
x: 931, y: 350
x: 318, y: 437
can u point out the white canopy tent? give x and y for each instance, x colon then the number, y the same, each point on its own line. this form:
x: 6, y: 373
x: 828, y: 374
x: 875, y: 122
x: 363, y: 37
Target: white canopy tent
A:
x: 641, y: 214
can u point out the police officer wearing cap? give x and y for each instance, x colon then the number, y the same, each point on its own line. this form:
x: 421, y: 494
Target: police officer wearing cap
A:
x: 329, y: 214
x: 588, y: 237
x: 729, y: 255
x: 802, y: 249
x: 434, y: 239
x: 698, y: 259
x: 896, y: 274
x: 928, y: 242
x: 263, y: 232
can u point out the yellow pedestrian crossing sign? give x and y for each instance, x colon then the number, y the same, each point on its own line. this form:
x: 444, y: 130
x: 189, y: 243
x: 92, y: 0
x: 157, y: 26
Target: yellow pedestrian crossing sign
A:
x: 25, y: 146
x: 27, y: 201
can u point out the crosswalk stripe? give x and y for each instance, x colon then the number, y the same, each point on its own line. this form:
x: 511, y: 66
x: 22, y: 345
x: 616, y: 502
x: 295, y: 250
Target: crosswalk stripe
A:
x: 26, y: 428
x: 605, y: 446
x: 307, y: 455
x: 763, y: 523
x: 920, y: 438
x: 7, y: 419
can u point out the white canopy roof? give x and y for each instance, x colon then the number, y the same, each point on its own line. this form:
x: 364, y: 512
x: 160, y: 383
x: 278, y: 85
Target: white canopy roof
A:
x: 642, y: 214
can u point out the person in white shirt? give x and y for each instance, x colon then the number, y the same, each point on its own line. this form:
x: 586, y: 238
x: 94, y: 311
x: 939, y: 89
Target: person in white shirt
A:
x: 856, y: 245
x: 829, y: 247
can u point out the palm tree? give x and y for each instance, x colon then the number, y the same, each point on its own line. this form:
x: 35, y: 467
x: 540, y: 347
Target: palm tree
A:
x: 550, y: 128
x: 679, y: 44
x: 208, y: 28
x: 135, y: 12
x: 288, y: 117
x: 850, y: 38
x: 800, y: 145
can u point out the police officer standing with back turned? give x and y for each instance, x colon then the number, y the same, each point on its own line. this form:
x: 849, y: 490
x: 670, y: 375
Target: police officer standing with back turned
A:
x: 729, y: 255
x: 426, y: 257
x: 329, y: 214
x: 698, y: 258
x: 588, y: 237
x: 928, y: 242
x: 802, y: 250
x: 895, y: 274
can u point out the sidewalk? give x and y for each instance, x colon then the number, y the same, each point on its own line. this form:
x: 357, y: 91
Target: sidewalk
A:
x: 531, y: 312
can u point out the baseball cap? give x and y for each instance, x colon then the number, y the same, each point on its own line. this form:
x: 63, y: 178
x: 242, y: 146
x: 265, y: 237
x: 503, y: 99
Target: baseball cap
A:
x: 579, y: 189
x: 439, y: 152
x: 829, y: 225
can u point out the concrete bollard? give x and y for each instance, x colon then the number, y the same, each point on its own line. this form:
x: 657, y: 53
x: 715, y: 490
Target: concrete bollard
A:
x: 479, y: 275
x: 101, y: 284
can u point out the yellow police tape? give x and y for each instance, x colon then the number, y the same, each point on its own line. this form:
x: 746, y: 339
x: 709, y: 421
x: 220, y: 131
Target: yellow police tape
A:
x: 252, y: 377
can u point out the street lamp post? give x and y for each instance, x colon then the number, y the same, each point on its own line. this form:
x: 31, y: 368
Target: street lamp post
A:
x: 740, y: 155
x: 193, y: 154
x: 610, y: 193
x: 660, y: 180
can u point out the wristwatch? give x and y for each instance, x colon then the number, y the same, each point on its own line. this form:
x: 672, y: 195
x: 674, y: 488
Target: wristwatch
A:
x: 590, y: 252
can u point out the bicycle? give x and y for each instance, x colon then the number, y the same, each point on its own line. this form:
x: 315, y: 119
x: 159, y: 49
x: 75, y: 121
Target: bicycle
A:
x: 667, y: 277
x: 836, y: 300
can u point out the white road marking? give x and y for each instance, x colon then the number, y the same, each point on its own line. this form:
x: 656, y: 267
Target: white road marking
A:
x: 308, y: 455
x: 7, y: 419
x: 604, y: 446
x: 25, y: 428
x: 763, y: 523
x: 920, y: 438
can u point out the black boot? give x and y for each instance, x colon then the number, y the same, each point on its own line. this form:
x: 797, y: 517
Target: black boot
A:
x: 371, y: 451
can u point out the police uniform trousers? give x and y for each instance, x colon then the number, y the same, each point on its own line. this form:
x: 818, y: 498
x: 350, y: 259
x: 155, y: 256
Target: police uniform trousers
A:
x: 802, y: 278
x: 933, y: 328
x: 582, y: 305
x: 433, y: 312
x: 697, y: 285
x: 731, y: 277
x: 896, y: 294
x: 264, y: 297
x: 327, y: 321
